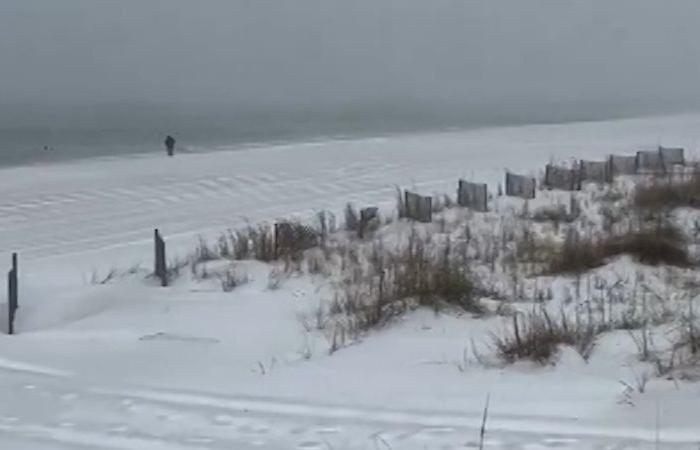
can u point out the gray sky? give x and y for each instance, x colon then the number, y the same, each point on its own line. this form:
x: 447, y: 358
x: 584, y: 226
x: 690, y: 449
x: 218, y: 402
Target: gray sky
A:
x: 319, y: 52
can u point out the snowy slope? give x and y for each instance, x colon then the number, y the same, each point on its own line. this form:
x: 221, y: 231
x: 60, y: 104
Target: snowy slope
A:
x: 130, y: 366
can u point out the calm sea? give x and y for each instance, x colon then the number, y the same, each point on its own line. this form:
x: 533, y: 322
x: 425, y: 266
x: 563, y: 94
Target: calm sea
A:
x: 35, y: 134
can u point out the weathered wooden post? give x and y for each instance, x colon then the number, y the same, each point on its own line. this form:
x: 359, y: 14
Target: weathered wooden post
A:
x: 12, y: 294
x: 278, y: 236
x: 161, y: 268
x: 367, y: 215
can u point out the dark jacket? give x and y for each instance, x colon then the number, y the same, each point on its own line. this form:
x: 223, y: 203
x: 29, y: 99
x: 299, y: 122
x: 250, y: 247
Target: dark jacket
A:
x: 170, y: 142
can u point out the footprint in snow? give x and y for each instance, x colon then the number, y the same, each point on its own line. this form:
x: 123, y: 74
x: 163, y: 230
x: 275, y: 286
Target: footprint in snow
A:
x: 166, y: 417
x: 309, y: 445
x: 328, y: 430
x: 250, y: 429
x: 535, y: 446
x: 69, y: 397
x: 200, y: 440
x: 261, y: 429
x: 130, y: 405
x: 439, y: 430
x: 223, y: 419
x: 559, y: 442
x: 118, y: 429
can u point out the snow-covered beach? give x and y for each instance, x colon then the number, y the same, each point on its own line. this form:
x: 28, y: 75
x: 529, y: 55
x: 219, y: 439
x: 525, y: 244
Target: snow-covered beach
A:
x: 128, y: 365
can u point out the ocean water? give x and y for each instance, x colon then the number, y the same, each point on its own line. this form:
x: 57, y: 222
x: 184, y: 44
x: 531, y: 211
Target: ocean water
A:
x: 37, y: 135
x: 34, y: 134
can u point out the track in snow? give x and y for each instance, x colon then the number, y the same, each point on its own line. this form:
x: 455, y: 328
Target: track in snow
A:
x: 64, y: 221
x: 137, y: 419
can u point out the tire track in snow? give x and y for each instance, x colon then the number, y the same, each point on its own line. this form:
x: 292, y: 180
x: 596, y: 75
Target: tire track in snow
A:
x: 142, y: 419
x: 94, y: 439
x: 130, y: 418
x: 556, y: 428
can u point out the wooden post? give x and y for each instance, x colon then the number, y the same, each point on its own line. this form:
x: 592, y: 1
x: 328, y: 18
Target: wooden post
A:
x: 277, y: 238
x: 12, y: 293
x: 366, y: 215
x: 156, y: 251
x: 160, y: 269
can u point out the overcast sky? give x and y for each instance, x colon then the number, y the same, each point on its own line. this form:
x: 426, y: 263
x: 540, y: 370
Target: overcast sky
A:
x: 313, y: 52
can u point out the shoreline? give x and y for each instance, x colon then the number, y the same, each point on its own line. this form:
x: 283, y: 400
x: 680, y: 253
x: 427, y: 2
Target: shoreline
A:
x: 145, y: 149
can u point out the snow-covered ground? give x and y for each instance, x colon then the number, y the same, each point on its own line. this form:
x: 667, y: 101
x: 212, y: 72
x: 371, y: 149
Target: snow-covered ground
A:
x: 127, y: 365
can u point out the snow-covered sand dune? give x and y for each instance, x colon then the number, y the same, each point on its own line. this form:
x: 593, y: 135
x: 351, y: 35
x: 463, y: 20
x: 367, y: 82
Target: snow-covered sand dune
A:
x: 130, y: 366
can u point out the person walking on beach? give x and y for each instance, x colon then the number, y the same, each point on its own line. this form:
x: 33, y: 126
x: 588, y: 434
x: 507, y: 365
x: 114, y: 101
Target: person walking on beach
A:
x: 170, y: 145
